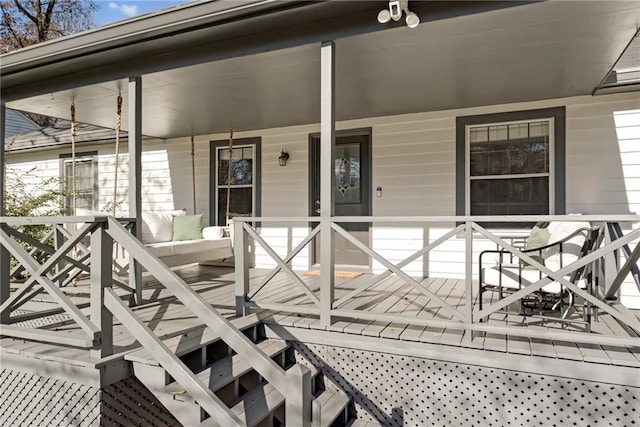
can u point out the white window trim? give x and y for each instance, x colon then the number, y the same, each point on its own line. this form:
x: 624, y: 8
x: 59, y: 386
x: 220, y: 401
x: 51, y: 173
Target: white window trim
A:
x: 91, y: 156
x: 550, y: 174
x: 253, y: 180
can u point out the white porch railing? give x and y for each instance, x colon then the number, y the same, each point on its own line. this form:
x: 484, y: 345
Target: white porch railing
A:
x: 97, y: 327
x: 604, y: 261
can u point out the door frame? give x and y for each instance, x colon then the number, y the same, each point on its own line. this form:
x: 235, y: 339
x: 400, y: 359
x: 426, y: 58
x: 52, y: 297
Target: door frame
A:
x: 366, y: 178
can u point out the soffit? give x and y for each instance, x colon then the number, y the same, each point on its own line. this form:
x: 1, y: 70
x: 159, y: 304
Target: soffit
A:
x: 529, y: 52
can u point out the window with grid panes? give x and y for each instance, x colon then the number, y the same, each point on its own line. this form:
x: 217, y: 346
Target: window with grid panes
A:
x: 235, y: 176
x: 510, y: 168
x: 86, y: 181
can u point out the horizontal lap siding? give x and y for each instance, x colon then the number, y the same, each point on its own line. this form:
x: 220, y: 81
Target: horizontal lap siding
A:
x: 284, y: 192
x: 603, y: 164
x: 166, y: 174
x: 601, y: 160
x: 414, y: 163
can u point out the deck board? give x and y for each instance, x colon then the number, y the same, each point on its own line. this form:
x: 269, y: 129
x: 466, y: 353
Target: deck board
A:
x: 394, y: 329
x: 492, y: 341
x: 394, y: 299
x: 364, y: 300
x: 432, y: 334
x: 457, y: 299
x: 168, y: 318
x: 515, y: 344
x: 413, y: 332
x: 341, y: 324
x: 619, y: 355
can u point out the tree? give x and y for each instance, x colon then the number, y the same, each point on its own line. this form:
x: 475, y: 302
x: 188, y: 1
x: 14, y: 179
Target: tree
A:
x: 27, y: 22
x: 27, y: 194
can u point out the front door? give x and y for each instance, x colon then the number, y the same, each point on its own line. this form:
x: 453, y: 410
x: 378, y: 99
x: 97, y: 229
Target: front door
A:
x: 352, y: 192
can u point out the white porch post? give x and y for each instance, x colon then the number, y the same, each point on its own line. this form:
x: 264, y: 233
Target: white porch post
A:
x: 327, y: 178
x: 5, y: 266
x: 135, y: 175
x: 468, y: 311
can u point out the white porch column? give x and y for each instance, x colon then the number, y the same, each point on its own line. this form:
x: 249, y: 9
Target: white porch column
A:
x: 5, y: 266
x: 135, y: 174
x: 327, y: 178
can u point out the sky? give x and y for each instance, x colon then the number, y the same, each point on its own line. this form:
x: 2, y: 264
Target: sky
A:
x: 116, y: 10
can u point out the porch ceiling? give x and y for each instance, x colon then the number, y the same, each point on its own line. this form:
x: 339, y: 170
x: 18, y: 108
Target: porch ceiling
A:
x: 532, y: 51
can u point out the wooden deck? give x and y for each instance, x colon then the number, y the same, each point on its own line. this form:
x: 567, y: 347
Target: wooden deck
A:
x: 169, y: 318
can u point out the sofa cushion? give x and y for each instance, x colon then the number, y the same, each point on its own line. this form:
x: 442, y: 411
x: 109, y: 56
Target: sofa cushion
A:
x: 554, y: 260
x: 213, y: 232
x: 509, y: 278
x: 157, y: 227
x: 187, y: 227
x: 186, y: 247
x: 538, y: 238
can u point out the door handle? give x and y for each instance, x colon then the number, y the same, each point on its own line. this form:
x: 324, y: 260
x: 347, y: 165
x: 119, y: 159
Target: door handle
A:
x: 318, y: 206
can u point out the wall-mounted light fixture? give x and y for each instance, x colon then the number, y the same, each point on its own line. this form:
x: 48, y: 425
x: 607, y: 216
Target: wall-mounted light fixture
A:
x: 396, y: 7
x: 282, y: 159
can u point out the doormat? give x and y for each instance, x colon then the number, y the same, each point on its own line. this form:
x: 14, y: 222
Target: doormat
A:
x: 340, y: 274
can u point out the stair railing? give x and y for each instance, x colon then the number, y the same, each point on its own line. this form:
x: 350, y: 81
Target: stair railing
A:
x: 294, y: 384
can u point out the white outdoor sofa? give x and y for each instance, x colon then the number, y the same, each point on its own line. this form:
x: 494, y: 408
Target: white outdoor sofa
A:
x: 157, y: 236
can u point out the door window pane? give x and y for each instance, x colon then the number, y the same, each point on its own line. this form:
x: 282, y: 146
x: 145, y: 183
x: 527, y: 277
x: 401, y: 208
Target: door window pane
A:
x: 348, y: 188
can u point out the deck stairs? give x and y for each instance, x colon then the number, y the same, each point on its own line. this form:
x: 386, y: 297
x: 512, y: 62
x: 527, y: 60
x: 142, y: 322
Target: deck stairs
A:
x: 233, y: 379
x: 226, y: 372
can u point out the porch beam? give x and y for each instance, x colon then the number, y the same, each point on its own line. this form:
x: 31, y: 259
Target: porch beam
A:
x: 5, y: 265
x: 135, y: 176
x: 327, y: 178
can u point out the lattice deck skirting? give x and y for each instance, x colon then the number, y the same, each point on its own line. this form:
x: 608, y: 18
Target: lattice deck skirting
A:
x: 408, y: 391
x: 32, y: 400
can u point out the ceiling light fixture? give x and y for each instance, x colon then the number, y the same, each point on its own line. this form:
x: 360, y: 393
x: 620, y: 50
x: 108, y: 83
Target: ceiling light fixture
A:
x: 396, y: 7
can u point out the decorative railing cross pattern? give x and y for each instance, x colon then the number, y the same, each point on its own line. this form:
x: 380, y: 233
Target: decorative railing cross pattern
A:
x: 391, y: 267
x: 39, y: 276
x: 463, y: 316
x: 281, y: 263
x: 559, y: 276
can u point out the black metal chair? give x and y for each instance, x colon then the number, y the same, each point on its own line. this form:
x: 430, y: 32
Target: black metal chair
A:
x: 508, y: 274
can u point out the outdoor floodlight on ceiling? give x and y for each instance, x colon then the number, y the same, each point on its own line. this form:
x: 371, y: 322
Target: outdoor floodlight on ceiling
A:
x: 396, y: 7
